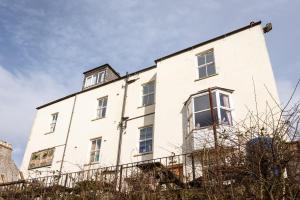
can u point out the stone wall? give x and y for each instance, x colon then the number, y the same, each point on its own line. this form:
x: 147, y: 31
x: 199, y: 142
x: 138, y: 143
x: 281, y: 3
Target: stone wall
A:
x: 8, y: 169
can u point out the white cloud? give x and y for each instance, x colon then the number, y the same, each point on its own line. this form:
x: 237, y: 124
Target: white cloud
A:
x: 20, y: 93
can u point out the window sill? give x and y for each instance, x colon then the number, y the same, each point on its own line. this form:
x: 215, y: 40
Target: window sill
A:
x: 97, y: 118
x: 146, y: 105
x: 208, y: 128
x: 199, y: 79
x: 48, y: 133
x: 90, y: 164
x: 143, y: 154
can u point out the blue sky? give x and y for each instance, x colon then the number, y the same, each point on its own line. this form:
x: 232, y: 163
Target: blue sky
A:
x: 46, y: 45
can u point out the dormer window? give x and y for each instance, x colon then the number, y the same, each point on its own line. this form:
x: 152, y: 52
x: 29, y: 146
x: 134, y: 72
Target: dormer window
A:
x: 94, y: 79
x: 99, y: 75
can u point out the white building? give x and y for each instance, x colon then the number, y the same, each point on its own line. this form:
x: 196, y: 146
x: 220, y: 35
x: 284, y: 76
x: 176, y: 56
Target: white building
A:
x: 160, y: 108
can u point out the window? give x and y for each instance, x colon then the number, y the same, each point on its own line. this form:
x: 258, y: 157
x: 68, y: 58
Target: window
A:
x: 146, y: 139
x: 41, y: 159
x: 199, y: 114
x: 101, y: 110
x: 94, y: 79
x: 206, y: 64
x: 53, y: 123
x: 148, y: 93
x: 95, y: 150
x: 100, y: 78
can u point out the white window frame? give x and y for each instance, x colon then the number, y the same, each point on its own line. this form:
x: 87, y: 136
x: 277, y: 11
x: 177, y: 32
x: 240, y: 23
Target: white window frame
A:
x: 147, y: 94
x: 218, y: 107
x: 101, y: 77
x: 101, y: 107
x: 95, y: 79
x: 206, y: 64
x: 54, y: 117
x: 96, y: 151
x: 146, y: 139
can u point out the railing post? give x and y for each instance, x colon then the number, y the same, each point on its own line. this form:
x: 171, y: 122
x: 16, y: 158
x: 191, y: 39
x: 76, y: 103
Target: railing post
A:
x: 66, y: 180
x: 120, y: 181
x: 193, y: 166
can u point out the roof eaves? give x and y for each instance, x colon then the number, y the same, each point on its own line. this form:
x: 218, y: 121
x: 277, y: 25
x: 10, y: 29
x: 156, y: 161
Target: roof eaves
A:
x: 252, y: 24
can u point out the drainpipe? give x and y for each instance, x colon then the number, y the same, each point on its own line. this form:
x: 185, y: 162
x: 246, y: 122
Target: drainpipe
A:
x: 67, y: 138
x: 213, y: 119
x: 122, y: 120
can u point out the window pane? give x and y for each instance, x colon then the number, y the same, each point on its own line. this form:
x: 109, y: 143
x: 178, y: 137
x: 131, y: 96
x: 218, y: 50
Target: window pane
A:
x: 92, y: 157
x: 97, y: 156
x: 149, y: 146
x: 142, y: 134
x: 224, y: 100
x: 226, y: 117
x: 142, y: 147
x: 202, y: 72
x: 150, y: 99
x: 103, y: 112
x: 203, y: 119
x: 93, y: 145
x: 98, y: 144
x: 145, y: 89
x: 211, y: 69
x: 100, y: 102
x: 210, y: 57
x: 201, y: 60
x: 105, y: 101
x: 201, y: 103
x: 151, y: 87
x: 149, y: 133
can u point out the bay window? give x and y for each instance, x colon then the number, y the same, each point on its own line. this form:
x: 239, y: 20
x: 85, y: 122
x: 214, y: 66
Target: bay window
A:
x: 199, y: 110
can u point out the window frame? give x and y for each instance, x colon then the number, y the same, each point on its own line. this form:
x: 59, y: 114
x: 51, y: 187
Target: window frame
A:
x: 146, y: 139
x: 95, y: 79
x: 53, y: 122
x: 94, y: 152
x: 205, y: 64
x: 218, y: 107
x: 102, y: 107
x: 152, y: 93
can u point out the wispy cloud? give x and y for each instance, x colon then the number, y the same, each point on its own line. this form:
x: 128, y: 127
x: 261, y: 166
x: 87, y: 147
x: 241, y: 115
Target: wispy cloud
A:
x: 45, y: 45
x: 20, y: 93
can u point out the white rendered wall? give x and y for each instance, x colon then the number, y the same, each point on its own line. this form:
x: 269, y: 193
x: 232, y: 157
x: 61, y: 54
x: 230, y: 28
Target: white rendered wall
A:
x: 239, y: 58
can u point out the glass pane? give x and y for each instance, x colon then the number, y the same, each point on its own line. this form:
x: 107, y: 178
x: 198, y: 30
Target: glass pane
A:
x: 201, y: 103
x: 151, y: 87
x: 142, y: 134
x: 210, y: 57
x: 149, y: 133
x: 93, y: 145
x: 211, y: 69
x: 202, y: 72
x: 142, y: 147
x: 105, y: 101
x: 98, y: 144
x: 224, y: 100
x: 203, y: 119
x: 149, y: 146
x: 226, y: 117
x: 94, y: 79
x: 150, y: 99
x: 92, y: 157
x: 100, y: 102
x: 201, y: 60
x: 97, y: 156
x: 145, y: 89
x: 145, y: 100
x: 103, y: 112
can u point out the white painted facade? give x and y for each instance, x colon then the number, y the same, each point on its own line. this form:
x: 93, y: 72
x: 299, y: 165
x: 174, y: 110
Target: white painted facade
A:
x: 241, y: 58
